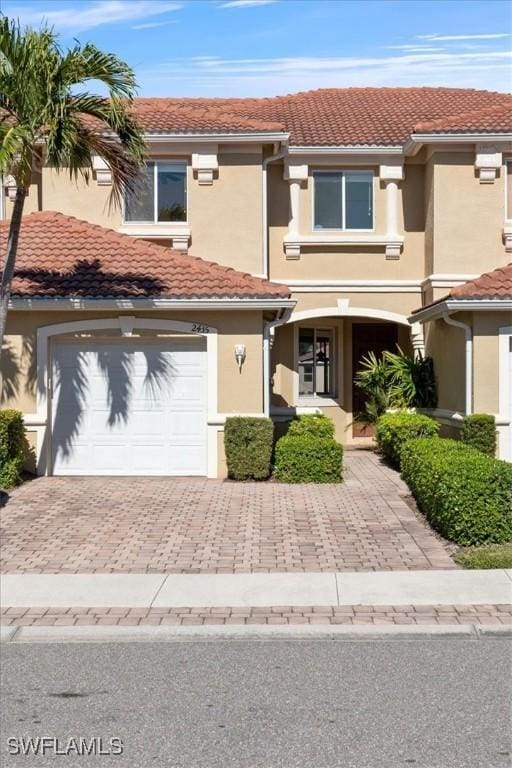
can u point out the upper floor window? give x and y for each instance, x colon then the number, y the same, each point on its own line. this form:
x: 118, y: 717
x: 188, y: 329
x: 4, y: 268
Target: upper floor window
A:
x: 508, y: 191
x: 343, y: 200
x: 160, y: 195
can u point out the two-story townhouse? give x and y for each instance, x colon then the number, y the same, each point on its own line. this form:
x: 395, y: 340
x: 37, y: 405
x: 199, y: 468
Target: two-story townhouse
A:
x: 272, y: 243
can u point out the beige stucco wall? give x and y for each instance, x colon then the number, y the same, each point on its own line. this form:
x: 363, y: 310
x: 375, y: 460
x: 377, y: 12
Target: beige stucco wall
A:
x: 446, y: 345
x: 238, y: 391
x: 468, y: 216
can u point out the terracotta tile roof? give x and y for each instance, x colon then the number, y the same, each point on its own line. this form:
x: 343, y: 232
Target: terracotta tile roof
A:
x: 495, y: 285
x: 60, y: 256
x: 496, y: 119
x: 335, y: 116
x: 491, y: 285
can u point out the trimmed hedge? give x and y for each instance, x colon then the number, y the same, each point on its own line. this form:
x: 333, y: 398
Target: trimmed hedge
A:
x: 395, y: 429
x: 308, y: 459
x: 315, y: 424
x: 465, y: 495
x: 12, y: 448
x: 479, y: 430
x: 248, y: 444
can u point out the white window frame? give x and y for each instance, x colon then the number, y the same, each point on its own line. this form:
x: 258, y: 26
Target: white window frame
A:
x: 183, y: 165
x: 343, y: 172
x: 336, y: 367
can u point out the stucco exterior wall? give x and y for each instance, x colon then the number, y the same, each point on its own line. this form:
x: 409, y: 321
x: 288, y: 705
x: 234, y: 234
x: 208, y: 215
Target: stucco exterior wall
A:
x: 468, y: 216
x: 445, y: 344
x: 486, y: 327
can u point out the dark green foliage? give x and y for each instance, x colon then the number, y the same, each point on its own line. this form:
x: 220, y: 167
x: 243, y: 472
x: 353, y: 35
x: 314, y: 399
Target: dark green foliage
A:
x: 479, y: 430
x: 395, y: 380
x: 12, y: 448
x: 308, y: 459
x: 315, y: 424
x: 394, y: 429
x: 465, y: 495
x: 248, y: 444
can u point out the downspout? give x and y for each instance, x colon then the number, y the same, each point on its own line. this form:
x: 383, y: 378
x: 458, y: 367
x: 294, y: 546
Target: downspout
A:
x: 469, y: 358
x: 268, y: 332
x: 264, y: 202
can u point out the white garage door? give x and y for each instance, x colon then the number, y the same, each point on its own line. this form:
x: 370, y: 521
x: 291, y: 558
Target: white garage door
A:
x: 129, y: 408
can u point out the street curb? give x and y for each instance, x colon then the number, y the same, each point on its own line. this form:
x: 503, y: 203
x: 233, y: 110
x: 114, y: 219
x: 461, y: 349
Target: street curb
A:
x: 493, y: 630
x: 103, y: 634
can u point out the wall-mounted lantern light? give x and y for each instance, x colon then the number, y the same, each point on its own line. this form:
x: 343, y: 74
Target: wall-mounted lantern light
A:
x: 240, y: 355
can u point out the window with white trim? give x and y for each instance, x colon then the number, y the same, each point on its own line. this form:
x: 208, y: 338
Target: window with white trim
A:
x: 160, y: 194
x: 315, y: 362
x: 343, y: 200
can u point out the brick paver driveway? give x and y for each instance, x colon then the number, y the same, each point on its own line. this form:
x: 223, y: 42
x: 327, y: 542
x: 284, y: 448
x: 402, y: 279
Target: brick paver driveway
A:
x: 192, y: 525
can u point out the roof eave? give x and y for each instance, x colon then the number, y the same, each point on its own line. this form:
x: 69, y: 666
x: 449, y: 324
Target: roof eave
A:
x: 417, y: 140
x: 434, y: 311
x: 89, y: 303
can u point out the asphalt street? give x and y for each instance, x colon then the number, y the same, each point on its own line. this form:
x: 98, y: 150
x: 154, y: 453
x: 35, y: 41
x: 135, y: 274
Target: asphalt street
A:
x: 426, y: 703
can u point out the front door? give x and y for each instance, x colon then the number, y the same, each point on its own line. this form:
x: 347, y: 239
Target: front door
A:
x: 368, y: 337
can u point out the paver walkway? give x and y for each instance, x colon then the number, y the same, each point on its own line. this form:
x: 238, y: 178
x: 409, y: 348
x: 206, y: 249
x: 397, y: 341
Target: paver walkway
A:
x: 194, y: 525
x: 291, y: 615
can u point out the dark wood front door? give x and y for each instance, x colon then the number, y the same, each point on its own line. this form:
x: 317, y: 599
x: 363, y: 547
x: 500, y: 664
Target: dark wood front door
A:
x: 368, y: 337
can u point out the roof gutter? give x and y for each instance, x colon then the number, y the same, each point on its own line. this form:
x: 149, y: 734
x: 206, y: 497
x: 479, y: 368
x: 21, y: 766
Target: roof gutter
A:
x: 91, y: 304
x: 417, y: 140
x: 468, y: 331
x: 264, y: 202
x: 268, y: 334
x: 232, y: 138
x: 437, y: 310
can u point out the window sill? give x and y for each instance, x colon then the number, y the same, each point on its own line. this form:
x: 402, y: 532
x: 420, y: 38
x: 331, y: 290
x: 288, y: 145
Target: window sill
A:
x: 391, y: 244
x: 507, y: 236
x: 177, y: 231
x: 316, y: 402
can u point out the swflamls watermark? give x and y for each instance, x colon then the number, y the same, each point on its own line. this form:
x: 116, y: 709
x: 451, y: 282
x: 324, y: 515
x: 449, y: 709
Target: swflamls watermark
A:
x: 49, y: 745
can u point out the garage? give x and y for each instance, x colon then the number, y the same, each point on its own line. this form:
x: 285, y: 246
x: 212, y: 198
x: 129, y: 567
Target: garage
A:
x: 131, y: 407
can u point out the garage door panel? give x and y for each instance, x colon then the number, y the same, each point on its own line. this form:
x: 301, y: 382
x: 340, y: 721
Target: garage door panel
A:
x: 129, y: 408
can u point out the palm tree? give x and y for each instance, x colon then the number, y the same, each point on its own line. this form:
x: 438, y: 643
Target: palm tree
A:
x: 47, y: 112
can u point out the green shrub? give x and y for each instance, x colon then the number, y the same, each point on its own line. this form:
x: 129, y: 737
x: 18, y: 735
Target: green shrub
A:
x: 479, y: 430
x: 248, y: 445
x: 315, y: 424
x: 493, y: 556
x: 308, y: 459
x: 465, y: 495
x: 12, y: 448
x: 394, y: 429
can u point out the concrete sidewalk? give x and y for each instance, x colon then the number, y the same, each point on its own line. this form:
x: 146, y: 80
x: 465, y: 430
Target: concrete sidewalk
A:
x: 417, y: 588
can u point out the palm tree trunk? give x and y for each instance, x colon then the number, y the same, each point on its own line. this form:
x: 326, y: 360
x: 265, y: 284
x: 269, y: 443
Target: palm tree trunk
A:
x: 10, y: 258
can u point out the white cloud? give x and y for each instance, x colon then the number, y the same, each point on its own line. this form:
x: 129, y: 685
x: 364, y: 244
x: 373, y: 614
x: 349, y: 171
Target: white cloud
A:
x: 76, y: 19
x: 246, y: 3
x: 448, y: 38
x: 414, y: 48
x: 154, y: 24
x: 215, y: 76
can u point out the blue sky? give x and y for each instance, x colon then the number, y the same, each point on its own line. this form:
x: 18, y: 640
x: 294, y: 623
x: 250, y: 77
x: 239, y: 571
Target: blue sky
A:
x: 267, y: 47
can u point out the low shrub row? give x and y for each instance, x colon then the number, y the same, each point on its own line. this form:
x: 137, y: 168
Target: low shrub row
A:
x: 465, y: 495
x: 395, y: 429
x: 479, y: 430
x: 307, y: 453
x: 12, y: 448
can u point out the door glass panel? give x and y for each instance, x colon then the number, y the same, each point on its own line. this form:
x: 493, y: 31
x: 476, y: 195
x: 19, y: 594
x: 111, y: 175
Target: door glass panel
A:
x: 323, y: 347
x: 172, y: 192
x: 140, y: 204
x: 328, y: 200
x: 306, y: 361
x: 358, y: 201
